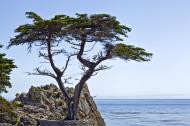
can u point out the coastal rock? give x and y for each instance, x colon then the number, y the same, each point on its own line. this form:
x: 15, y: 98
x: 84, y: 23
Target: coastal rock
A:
x: 47, y: 103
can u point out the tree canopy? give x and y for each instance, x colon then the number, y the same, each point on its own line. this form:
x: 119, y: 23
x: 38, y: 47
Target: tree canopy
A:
x: 6, y: 66
x: 82, y: 33
x: 103, y: 29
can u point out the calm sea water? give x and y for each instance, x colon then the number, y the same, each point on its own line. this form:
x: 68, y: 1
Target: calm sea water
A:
x: 145, y: 112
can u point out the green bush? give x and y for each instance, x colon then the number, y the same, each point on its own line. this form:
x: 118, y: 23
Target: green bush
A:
x: 7, y: 113
x: 17, y: 104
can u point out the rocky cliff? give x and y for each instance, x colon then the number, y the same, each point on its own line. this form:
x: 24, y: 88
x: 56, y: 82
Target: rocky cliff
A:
x: 47, y: 103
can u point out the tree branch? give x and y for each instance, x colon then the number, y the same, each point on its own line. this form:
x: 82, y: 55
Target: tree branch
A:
x: 102, y: 67
x: 102, y: 58
x: 87, y: 63
x: 56, y: 52
x: 91, y: 47
x: 66, y: 80
x: 50, y: 56
x: 67, y: 62
x: 42, y: 72
x: 44, y: 55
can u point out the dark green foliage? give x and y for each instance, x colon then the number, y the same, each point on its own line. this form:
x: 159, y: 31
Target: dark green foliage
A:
x: 6, y: 66
x: 34, y: 16
x: 6, y: 106
x: 17, y: 104
x: 7, y: 113
x: 101, y: 28
x: 39, y: 31
x: 97, y: 27
x: 107, y: 30
x: 129, y: 52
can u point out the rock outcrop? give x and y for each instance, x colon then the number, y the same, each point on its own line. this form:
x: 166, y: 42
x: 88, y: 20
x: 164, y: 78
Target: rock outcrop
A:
x: 47, y: 103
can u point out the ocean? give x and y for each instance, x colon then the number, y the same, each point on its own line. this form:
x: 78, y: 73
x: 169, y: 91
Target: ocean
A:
x: 170, y: 112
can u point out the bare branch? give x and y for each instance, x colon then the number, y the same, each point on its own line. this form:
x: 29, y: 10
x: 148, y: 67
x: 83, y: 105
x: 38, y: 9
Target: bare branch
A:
x: 91, y: 47
x: 83, y: 68
x: 102, y: 67
x: 98, y: 57
x: 75, y: 48
x: 67, y: 62
x: 95, y: 74
x: 44, y: 72
x: 44, y: 55
x: 56, y: 52
x: 72, y: 43
x: 102, y: 58
x: 66, y: 80
x: 45, y: 62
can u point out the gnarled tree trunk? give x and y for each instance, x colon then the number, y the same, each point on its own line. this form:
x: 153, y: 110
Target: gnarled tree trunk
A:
x: 78, y: 90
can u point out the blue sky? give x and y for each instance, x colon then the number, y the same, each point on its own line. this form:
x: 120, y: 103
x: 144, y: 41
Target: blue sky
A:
x: 161, y: 27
